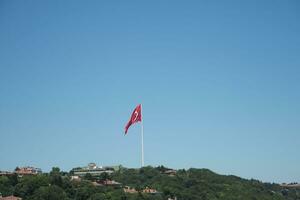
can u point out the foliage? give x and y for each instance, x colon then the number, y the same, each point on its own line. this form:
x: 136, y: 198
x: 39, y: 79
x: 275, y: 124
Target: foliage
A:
x: 55, y: 177
x: 192, y: 184
x: 6, y: 187
x: 52, y: 192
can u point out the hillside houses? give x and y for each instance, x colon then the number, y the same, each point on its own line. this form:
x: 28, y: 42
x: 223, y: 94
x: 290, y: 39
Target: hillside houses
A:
x: 93, y: 170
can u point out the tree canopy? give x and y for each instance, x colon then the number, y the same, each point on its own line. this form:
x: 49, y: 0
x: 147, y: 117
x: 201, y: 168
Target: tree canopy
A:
x: 191, y: 184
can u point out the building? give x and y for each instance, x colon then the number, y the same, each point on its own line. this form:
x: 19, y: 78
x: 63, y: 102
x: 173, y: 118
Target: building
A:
x: 21, y: 171
x: 170, y: 172
x: 96, y: 184
x: 291, y: 185
x: 111, y: 183
x: 149, y: 191
x: 6, y: 173
x: 127, y: 189
x: 92, y: 169
x: 75, y: 178
x: 10, y: 198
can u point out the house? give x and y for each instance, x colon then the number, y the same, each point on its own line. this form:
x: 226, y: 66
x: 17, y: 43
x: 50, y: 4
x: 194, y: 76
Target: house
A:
x: 10, y: 198
x: 170, y: 172
x: 111, y: 183
x: 5, y: 173
x: 96, y: 184
x: 291, y: 185
x: 75, y: 178
x: 92, y: 169
x: 149, y: 191
x: 127, y: 189
x: 27, y: 171
x: 108, y: 183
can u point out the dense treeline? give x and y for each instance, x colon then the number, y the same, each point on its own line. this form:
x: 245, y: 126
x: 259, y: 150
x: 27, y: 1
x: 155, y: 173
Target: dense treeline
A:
x: 189, y: 184
x: 201, y: 184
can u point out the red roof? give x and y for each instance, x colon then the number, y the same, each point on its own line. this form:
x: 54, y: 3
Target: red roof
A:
x: 10, y: 198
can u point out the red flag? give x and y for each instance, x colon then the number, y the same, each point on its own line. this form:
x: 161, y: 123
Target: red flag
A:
x: 136, y: 116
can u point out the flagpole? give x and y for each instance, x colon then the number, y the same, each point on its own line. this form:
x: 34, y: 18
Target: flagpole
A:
x: 142, y: 132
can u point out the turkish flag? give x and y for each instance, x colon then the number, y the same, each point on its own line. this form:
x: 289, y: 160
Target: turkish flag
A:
x: 136, y: 116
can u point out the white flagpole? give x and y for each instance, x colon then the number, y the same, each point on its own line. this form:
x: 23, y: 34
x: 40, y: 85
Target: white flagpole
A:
x: 142, y: 132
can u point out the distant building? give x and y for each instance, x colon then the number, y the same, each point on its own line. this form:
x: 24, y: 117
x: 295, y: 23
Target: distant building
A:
x: 291, y: 185
x: 127, y: 189
x: 6, y: 173
x: 170, y: 172
x: 110, y: 183
x: 21, y: 171
x: 27, y: 171
x: 149, y: 191
x: 93, y: 169
x: 96, y: 184
x: 75, y: 178
x: 10, y: 198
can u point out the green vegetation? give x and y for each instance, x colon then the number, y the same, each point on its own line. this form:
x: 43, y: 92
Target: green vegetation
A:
x: 191, y: 184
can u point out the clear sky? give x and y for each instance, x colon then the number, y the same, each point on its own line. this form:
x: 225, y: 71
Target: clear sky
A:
x: 219, y: 82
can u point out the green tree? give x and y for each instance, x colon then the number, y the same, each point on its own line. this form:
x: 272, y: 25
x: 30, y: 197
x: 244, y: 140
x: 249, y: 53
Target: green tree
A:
x: 97, y: 196
x: 28, y: 184
x: 88, y: 176
x: 13, y: 179
x: 55, y: 177
x: 84, y: 191
x: 6, y: 187
x: 52, y: 192
x: 104, y: 176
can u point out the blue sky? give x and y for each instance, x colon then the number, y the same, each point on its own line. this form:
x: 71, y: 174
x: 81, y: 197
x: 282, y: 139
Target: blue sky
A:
x: 219, y: 83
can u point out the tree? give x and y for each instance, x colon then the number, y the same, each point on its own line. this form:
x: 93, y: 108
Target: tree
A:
x: 52, y: 192
x: 104, y: 176
x: 55, y: 177
x: 13, y: 179
x: 28, y: 184
x: 88, y: 176
x: 84, y: 191
x: 192, y: 184
x: 97, y: 196
x: 5, y: 186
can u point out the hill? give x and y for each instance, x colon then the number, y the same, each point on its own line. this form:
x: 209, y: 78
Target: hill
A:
x: 157, y: 183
